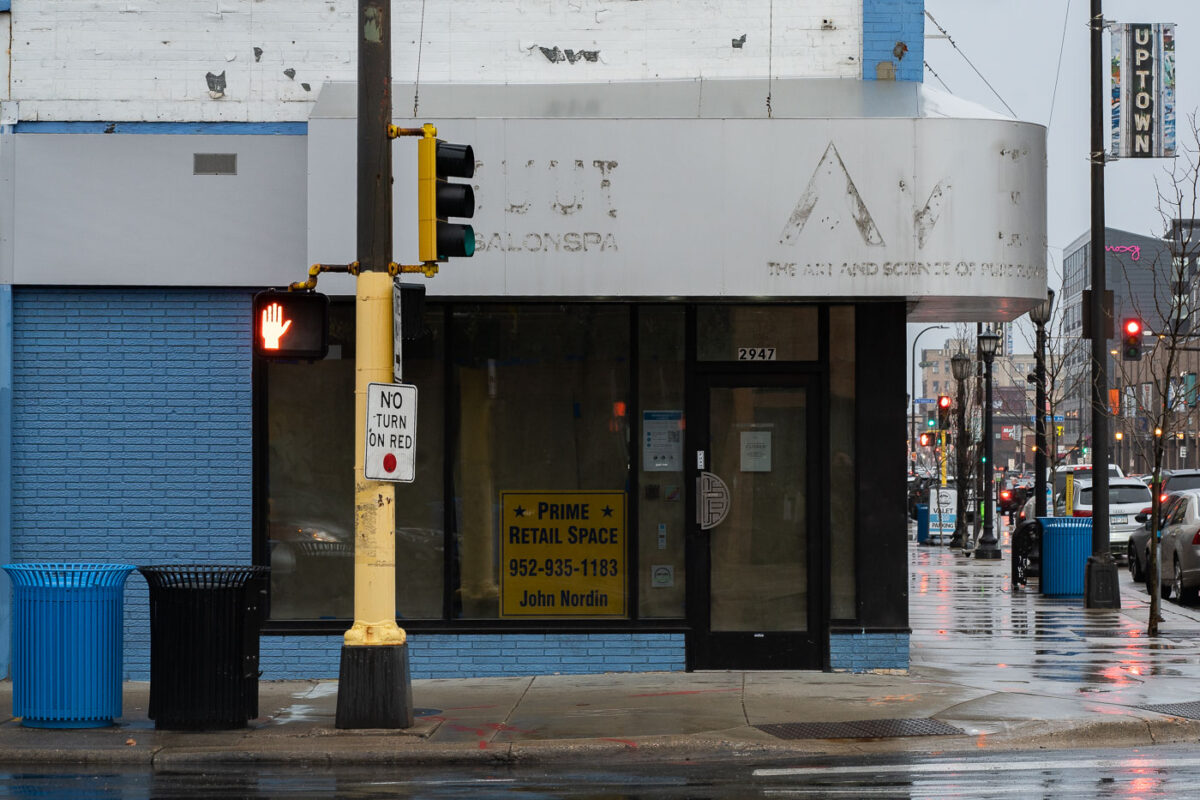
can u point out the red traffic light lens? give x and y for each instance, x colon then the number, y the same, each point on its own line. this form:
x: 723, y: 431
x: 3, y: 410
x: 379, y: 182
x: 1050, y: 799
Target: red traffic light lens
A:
x: 1133, y: 326
x: 944, y: 401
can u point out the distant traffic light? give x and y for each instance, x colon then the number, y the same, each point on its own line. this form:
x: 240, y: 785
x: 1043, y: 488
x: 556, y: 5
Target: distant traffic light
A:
x: 1131, y: 339
x: 944, y: 404
x: 926, y: 439
x: 291, y: 325
x: 438, y: 199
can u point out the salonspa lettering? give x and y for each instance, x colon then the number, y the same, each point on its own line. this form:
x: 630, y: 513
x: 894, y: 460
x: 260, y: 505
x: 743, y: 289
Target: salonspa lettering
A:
x: 1135, y: 251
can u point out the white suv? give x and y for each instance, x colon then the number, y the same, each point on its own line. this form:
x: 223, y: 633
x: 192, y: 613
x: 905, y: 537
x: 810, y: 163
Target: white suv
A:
x: 1127, y: 497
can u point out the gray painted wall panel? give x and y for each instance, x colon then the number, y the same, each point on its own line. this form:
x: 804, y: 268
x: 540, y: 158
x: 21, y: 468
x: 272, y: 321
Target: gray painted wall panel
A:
x: 95, y: 209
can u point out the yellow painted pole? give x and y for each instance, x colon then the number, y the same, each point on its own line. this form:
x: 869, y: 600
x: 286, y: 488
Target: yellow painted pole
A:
x: 374, y: 502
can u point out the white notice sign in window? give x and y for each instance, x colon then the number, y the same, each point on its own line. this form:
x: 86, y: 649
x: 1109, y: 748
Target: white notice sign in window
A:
x: 756, y: 451
x: 391, y: 449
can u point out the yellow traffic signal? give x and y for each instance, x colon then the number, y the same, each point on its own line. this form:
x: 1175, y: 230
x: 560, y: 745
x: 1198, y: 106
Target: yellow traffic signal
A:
x: 438, y: 199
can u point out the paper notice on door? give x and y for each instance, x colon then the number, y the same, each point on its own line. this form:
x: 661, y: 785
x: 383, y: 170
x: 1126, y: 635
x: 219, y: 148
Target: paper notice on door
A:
x: 662, y: 441
x: 756, y: 451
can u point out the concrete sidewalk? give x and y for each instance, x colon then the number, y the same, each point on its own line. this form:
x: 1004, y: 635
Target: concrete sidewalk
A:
x: 991, y: 668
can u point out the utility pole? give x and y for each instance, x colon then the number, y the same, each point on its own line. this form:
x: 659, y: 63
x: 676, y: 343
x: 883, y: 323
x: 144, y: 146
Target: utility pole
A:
x: 375, y: 686
x: 1100, y: 578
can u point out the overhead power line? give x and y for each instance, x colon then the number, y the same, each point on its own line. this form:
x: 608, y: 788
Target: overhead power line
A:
x: 964, y: 55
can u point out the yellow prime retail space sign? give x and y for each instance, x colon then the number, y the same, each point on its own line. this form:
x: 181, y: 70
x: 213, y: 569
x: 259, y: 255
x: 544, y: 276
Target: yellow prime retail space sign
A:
x: 562, y: 554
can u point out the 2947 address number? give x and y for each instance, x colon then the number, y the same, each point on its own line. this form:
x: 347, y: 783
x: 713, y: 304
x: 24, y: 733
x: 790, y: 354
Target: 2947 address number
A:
x: 756, y: 354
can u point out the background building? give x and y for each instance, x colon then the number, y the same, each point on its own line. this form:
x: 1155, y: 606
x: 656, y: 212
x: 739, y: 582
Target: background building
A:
x: 1140, y: 274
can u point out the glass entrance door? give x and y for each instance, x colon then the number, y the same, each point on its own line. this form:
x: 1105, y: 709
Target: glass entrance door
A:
x: 756, y: 601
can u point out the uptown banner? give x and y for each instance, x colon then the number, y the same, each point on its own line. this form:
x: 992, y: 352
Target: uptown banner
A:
x: 1143, y: 90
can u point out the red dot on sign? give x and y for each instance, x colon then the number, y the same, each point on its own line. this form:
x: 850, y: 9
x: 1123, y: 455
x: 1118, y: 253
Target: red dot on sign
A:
x: 389, y: 463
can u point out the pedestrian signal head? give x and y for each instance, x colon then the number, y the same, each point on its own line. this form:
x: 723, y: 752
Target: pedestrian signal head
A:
x: 291, y: 325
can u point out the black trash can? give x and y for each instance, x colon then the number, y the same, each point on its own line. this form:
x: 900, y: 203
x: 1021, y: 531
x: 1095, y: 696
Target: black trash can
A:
x: 204, y: 627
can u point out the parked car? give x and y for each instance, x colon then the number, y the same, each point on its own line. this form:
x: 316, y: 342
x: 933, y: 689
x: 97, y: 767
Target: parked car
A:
x: 1138, y: 551
x: 1127, y: 498
x: 1028, y: 508
x: 1181, y: 545
x: 1011, y: 498
x: 918, y: 492
x: 1080, y: 471
x: 1180, y: 479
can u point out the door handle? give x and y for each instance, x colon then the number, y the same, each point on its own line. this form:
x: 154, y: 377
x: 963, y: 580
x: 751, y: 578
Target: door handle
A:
x: 712, y: 501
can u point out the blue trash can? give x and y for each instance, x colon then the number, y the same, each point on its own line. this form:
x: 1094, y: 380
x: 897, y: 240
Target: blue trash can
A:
x: 922, y: 523
x: 68, y: 638
x: 1066, y: 547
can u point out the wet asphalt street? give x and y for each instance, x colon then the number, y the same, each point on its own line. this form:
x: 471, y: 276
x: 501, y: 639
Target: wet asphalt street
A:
x: 1143, y: 773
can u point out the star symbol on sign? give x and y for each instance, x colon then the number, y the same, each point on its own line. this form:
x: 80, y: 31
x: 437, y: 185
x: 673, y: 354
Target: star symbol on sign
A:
x: 607, y: 511
x: 520, y: 511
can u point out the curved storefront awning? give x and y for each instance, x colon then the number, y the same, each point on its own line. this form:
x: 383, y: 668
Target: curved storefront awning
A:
x: 849, y: 189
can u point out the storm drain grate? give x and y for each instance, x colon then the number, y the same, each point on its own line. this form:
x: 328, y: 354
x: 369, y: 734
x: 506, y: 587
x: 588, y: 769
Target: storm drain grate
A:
x: 1186, y: 710
x: 860, y: 729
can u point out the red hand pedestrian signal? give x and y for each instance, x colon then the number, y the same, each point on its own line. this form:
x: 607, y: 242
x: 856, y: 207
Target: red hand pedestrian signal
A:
x: 273, y: 326
x: 291, y: 325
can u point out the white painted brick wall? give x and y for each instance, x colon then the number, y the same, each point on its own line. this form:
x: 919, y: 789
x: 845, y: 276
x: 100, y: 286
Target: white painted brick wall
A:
x: 147, y: 59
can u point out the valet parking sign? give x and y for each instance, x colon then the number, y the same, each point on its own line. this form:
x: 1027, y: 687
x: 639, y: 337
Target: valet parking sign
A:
x: 391, y: 449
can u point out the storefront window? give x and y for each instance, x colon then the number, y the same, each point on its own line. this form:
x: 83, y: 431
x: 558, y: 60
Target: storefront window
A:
x: 662, y: 519
x: 310, y: 481
x: 756, y: 333
x: 541, y: 461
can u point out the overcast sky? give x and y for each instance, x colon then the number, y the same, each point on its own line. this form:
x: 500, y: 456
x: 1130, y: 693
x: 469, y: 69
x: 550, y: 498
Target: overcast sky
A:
x: 1015, y: 47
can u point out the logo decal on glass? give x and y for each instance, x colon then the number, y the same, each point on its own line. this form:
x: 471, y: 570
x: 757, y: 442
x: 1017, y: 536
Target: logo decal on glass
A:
x: 712, y: 501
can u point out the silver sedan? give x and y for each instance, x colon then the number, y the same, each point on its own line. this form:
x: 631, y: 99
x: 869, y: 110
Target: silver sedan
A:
x: 1181, y: 546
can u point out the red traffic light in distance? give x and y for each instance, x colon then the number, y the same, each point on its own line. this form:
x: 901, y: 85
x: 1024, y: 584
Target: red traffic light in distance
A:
x: 291, y: 325
x: 943, y: 412
x: 926, y: 439
x: 1131, y: 339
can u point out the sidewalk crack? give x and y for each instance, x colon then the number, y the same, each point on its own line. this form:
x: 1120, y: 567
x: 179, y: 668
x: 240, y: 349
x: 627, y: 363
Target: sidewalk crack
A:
x: 504, y: 724
x: 745, y: 713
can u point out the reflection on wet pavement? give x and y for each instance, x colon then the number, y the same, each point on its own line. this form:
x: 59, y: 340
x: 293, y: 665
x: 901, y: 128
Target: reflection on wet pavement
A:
x: 967, y: 618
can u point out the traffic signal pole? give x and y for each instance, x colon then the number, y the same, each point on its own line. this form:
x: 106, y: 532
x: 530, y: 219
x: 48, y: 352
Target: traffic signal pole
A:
x: 1100, y: 575
x: 375, y: 686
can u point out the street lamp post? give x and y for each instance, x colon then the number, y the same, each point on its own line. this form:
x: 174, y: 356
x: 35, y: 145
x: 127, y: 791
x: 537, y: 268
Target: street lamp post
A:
x: 960, y: 367
x: 1040, y: 315
x: 912, y: 419
x: 988, y: 548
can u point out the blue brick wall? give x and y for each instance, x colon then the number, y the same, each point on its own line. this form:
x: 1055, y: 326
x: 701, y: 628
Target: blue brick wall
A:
x: 131, y: 433
x: 487, y: 655
x: 886, y: 22
x: 864, y: 652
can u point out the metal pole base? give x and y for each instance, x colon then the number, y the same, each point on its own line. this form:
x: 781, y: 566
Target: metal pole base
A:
x: 374, y: 687
x: 1100, y: 583
x: 987, y: 551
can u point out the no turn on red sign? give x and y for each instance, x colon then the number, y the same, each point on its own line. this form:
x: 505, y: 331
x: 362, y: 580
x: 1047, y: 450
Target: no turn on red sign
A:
x: 391, y: 451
